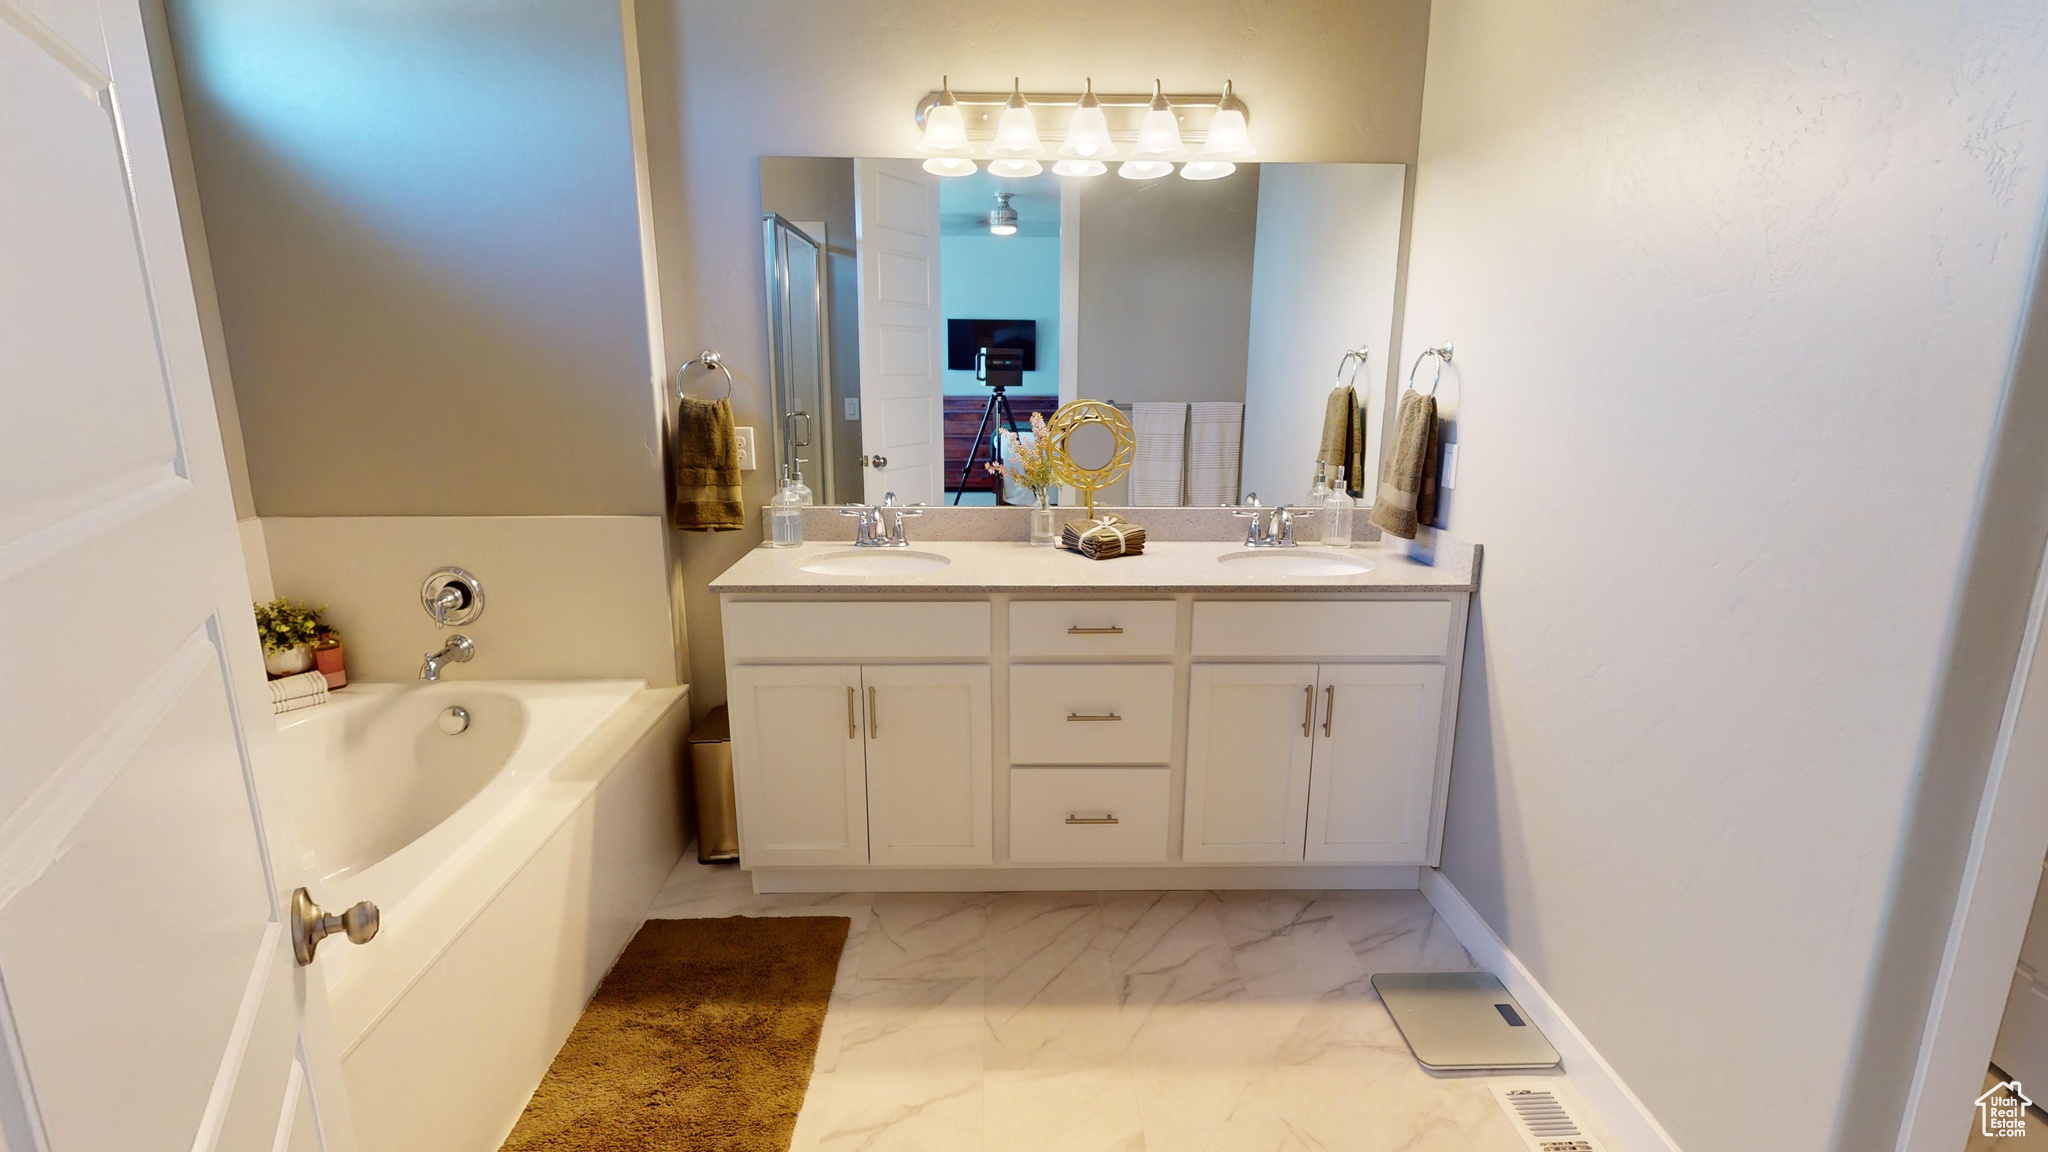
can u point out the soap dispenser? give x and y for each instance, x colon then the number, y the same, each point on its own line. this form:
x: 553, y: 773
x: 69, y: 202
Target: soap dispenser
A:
x: 1336, y: 514
x: 797, y: 485
x: 786, y: 513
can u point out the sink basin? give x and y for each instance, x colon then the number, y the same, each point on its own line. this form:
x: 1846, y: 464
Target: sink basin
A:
x: 874, y: 562
x: 1296, y: 562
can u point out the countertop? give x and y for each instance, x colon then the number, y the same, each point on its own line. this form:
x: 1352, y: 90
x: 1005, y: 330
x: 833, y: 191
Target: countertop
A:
x: 1441, y: 563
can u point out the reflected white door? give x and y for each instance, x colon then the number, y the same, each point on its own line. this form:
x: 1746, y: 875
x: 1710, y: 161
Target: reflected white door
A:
x: 902, y: 428
x: 148, y: 995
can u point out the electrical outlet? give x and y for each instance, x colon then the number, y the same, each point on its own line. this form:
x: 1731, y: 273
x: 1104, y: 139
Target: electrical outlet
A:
x: 745, y: 436
x: 1450, y: 475
x: 853, y: 407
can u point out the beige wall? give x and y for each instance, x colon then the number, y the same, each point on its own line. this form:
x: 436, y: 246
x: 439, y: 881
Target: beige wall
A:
x: 727, y: 83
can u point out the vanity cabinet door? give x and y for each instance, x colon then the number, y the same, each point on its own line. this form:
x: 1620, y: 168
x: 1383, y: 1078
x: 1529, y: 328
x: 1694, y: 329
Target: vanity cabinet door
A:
x: 1374, y: 776
x: 797, y: 760
x: 1248, y: 761
x: 930, y: 758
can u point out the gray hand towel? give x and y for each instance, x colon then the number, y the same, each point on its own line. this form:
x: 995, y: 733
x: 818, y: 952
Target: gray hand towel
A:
x: 1407, y: 492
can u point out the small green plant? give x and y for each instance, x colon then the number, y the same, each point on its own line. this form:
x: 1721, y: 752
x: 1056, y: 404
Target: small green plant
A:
x: 285, y: 625
x: 1029, y: 464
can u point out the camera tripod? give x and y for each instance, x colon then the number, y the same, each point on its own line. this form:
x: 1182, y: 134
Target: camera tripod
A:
x: 997, y: 403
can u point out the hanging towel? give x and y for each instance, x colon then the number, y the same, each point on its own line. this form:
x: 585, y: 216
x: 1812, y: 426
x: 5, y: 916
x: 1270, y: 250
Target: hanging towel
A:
x: 707, y: 467
x: 290, y: 693
x: 1343, y: 443
x: 1161, y: 457
x: 1407, y: 492
x: 1215, y: 453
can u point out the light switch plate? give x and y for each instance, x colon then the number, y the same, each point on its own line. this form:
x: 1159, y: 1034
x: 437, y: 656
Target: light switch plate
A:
x: 1450, y: 476
x: 745, y: 436
x: 853, y: 407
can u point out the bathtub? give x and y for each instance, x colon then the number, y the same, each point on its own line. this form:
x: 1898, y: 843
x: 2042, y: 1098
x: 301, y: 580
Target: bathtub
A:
x: 510, y: 862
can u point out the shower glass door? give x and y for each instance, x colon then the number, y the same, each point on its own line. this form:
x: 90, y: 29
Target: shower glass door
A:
x: 798, y: 349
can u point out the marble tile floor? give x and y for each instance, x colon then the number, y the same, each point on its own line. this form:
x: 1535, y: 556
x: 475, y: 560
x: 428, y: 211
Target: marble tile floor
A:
x: 1119, y: 1022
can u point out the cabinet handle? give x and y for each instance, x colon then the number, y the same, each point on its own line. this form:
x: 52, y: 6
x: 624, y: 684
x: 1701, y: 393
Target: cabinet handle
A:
x: 874, y: 725
x: 1110, y: 819
x: 852, y: 717
x: 1112, y: 630
x: 1080, y: 717
x: 1308, y: 709
x: 1329, y: 708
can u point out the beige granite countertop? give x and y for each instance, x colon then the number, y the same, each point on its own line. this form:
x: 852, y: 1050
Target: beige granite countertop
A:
x: 1440, y: 563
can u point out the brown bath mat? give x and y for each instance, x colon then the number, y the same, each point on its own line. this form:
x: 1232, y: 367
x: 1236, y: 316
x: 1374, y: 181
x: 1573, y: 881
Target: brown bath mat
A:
x: 700, y: 1038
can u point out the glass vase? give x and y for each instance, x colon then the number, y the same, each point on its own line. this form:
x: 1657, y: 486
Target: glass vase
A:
x: 1042, y: 534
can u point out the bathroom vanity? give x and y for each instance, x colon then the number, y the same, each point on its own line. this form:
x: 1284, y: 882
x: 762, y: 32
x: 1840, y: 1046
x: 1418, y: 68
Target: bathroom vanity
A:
x: 1195, y: 716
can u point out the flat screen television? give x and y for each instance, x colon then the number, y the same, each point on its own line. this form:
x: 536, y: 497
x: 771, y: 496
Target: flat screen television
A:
x: 964, y: 337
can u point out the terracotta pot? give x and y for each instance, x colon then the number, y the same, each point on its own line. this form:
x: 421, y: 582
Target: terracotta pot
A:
x: 289, y: 662
x: 328, y: 660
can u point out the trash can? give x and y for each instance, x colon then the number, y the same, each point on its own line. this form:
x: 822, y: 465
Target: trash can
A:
x: 718, y: 823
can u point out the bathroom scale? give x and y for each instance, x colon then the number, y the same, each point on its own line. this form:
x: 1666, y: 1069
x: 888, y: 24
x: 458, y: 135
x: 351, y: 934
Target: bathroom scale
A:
x: 1463, y: 1022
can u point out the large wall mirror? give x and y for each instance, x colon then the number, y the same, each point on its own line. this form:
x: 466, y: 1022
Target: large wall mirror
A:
x: 910, y: 315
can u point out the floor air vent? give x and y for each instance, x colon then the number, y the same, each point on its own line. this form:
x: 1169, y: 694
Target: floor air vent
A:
x: 1542, y: 1117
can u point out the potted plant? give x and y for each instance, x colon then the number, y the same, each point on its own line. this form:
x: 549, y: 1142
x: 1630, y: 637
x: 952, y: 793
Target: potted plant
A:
x: 288, y: 631
x: 327, y: 657
x: 1027, y: 464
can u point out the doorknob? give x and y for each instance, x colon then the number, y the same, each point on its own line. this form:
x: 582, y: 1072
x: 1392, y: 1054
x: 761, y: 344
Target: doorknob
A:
x: 874, y: 461
x: 310, y: 925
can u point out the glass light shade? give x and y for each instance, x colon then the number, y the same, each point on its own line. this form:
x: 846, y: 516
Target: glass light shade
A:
x: 1002, y: 229
x: 945, y: 132
x: 1080, y: 168
x: 1159, y: 137
x: 1228, y: 137
x: 1015, y: 167
x: 1144, y: 169
x: 1207, y: 169
x: 1088, y: 132
x: 1016, y: 131
x: 950, y: 166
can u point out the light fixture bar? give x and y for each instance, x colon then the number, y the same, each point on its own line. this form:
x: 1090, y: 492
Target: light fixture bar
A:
x: 1053, y: 110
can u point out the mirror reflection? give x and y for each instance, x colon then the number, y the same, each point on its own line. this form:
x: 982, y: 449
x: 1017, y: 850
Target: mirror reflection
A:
x: 913, y: 317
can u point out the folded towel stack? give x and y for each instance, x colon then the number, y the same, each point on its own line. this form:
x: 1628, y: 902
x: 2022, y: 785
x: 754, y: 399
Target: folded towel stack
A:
x: 1102, y: 538
x: 291, y: 693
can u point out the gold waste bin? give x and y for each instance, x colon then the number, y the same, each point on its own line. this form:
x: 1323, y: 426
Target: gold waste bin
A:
x: 718, y: 823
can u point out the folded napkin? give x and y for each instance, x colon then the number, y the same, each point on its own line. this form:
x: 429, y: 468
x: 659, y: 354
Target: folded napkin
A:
x: 1407, y: 492
x: 1102, y: 538
x: 707, y: 458
x: 290, y: 693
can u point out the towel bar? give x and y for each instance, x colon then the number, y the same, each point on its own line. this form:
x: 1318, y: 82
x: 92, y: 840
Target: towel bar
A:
x: 709, y: 360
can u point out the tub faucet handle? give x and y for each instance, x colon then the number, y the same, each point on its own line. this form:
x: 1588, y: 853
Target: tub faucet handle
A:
x: 310, y: 925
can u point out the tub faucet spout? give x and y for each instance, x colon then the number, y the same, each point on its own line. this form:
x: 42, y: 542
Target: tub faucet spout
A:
x: 460, y: 649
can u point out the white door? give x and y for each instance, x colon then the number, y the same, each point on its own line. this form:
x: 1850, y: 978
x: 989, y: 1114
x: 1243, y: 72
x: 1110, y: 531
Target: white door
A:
x: 930, y: 759
x: 902, y: 415
x: 797, y: 762
x: 150, y: 996
x: 1249, y: 742
x: 1373, y: 774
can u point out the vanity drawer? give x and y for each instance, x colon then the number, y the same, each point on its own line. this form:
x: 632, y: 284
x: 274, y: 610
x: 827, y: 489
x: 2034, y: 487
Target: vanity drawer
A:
x: 1059, y: 713
x: 1329, y: 629
x: 1040, y: 628
x: 1088, y: 815
x: 818, y: 630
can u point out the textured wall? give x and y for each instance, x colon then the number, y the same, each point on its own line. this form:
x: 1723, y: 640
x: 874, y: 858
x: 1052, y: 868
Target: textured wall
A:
x: 1735, y: 290
x: 727, y: 83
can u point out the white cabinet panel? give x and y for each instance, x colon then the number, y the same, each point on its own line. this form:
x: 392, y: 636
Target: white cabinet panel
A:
x: 1248, y: 760
x: 1091, y: 713
x: 1062, y: 628
x: 929, y: 760
x: 856, y: 629
x: 1088, y: 815
x: 797, y: 761
x: 1374, y: 766
x: 1323, y: 629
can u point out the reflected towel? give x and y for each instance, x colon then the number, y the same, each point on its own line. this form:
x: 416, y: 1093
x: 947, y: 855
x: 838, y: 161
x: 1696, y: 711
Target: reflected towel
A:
x: 1343, y: 443
x: 1161, y: 458
x: 707, y: 457
x: 1215, y: 453
x: 290, y: 693
x: 1407, y: 491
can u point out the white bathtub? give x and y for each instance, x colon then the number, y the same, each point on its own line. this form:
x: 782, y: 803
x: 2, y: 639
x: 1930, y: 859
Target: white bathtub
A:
x: 510, y: 863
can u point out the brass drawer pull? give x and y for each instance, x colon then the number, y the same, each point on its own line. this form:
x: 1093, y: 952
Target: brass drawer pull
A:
x: 1083, y: 717
x: 852, y: 716
x: 1092, y: 819
x: 1330, y: 709
x: 874, y: 722
x: 1112, y: 630
x: 1308, y: 708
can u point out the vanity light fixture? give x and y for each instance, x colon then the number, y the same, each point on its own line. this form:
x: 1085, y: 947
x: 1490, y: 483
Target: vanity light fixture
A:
x: 1015, y: 168
x: 1088, y: 132
x: 1159, y: 132
x: 1080, y: 168
x: 1016, y: 132
x: 1229, y: 136
x: 1144, y: 169
x: 1002, y: 219
x: 1206, y: 169
x: 945, y: 136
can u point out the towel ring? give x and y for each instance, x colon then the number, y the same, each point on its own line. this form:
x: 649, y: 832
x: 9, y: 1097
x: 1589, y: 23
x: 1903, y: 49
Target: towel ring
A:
x: 709, y: 360
x: 1356, y: 357
x: 1443, y: 357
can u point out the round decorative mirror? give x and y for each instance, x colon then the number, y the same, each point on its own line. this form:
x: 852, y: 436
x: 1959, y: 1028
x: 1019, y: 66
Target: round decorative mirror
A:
x: 1090, y: 444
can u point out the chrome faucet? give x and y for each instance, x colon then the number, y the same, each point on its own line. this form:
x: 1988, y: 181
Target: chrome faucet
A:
x: 1269, y: 527
x: 459, y: 649
x: 874, y: 527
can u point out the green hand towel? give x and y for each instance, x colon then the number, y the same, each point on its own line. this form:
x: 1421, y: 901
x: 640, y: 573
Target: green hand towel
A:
x: 707, y: 468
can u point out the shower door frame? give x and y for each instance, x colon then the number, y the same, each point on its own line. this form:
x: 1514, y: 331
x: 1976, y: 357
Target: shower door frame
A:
x: 818, y: 428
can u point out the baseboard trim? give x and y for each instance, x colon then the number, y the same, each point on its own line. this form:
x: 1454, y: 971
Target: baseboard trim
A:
x: 1629, y: 1124
x: 1333, y: 877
